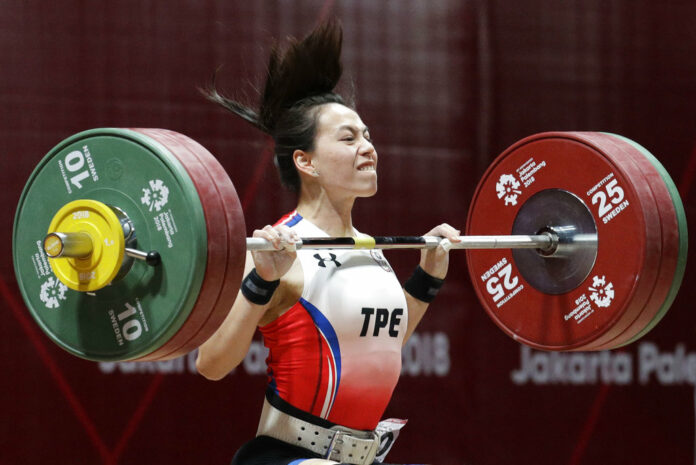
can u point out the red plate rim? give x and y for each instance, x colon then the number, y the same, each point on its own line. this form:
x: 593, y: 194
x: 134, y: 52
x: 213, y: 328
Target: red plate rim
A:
x: 217, y: 243
x: 669, y: 244
x: 236, y: 247
x: 649, y: 206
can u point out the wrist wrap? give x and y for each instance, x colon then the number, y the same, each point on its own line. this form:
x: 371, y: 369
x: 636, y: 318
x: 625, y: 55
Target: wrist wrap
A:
x: 257, y: 290
x: 422, y: 286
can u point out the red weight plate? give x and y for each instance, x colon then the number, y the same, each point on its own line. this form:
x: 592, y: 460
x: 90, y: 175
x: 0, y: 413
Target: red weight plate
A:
x: 217, y: 244
x: 621, y: 204
x: 236, y: 250
x: 669, y: 254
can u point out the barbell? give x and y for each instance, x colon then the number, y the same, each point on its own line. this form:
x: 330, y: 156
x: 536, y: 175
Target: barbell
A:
x: 574, y: 241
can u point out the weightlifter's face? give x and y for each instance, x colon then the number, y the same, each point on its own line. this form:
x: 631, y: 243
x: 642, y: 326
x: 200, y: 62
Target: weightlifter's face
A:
x: 343, y: 154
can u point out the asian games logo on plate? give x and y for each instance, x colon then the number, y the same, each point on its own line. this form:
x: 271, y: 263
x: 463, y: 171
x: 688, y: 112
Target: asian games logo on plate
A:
x: 156, y: 196
x: 508, y: 188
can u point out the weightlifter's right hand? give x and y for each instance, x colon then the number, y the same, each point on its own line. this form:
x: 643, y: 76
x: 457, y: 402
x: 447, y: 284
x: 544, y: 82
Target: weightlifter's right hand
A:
x: 273, y: 264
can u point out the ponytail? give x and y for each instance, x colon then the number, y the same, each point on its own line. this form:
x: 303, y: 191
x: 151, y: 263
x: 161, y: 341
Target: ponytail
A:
x: 298, y: 82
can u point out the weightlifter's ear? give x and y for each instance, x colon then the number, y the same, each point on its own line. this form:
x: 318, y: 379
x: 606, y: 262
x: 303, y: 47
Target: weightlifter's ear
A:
x: 303, y: 162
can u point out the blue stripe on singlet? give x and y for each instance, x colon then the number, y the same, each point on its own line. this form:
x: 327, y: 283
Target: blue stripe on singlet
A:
x: 324, y: 326
x: 296, y: 218
x: 297, y: 462
x: 272, y: 381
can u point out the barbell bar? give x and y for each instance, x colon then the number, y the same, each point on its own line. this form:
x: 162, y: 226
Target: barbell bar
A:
x: 80, y: 244
x: 586, y: 258
x: 545, y: 242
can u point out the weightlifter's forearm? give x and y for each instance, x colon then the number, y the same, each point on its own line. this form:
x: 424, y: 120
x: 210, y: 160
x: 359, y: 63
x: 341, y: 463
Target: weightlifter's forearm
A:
x: 416, y: 310
x: 229, y: 345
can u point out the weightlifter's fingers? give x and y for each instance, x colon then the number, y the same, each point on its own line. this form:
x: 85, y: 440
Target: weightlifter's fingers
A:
x: 269, y: 234
x: 288, y: 237
x: 448, y: 233
x: 281, y: 237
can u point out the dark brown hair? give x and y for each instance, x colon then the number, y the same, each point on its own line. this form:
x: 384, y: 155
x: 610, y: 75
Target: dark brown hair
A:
x: 298, y: 81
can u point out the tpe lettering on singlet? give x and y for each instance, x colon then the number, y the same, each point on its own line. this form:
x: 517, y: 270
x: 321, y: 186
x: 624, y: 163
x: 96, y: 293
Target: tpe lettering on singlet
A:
x: 383, y: 318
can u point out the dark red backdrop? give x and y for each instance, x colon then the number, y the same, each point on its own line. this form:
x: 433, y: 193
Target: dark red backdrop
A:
x: 445, y: 85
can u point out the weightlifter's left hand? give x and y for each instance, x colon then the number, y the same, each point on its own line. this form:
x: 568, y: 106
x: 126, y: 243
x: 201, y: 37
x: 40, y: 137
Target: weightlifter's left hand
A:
x: 436, y: 261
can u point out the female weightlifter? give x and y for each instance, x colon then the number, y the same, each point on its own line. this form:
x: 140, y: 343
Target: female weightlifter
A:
x: 334, y: 321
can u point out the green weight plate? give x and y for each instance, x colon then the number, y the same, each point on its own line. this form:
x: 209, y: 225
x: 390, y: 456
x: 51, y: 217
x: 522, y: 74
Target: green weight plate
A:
x: 683, y: 237
x: 137, y: 314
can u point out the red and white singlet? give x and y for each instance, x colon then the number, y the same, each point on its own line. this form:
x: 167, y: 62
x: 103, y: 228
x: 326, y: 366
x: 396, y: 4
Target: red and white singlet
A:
x: 336, y: 353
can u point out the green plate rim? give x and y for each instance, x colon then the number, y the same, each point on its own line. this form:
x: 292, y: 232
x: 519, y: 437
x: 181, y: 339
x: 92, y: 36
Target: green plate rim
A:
x: 197, y: 218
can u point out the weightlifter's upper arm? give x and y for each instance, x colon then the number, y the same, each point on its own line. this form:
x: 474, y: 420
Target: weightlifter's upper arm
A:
x: 228, y: 346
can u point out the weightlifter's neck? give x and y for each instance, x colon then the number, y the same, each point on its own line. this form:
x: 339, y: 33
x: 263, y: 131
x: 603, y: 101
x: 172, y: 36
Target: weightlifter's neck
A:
x: 330, y: 215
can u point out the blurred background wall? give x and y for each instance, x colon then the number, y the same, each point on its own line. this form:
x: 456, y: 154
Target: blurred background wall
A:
x: 445, y: 86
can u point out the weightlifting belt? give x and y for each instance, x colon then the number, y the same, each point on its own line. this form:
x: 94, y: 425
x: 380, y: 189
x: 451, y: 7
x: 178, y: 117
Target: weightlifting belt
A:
x: 337, y: 443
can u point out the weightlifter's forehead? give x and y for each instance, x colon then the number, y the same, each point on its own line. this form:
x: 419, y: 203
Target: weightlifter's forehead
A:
x: 333, y: 117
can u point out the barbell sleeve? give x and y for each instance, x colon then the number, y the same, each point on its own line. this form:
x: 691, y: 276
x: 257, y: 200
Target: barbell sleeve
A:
x: 79, y: 245
x: 72, y: 244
